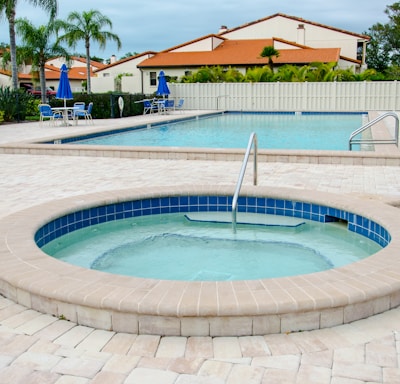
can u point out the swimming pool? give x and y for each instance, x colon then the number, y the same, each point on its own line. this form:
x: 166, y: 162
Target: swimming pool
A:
x: 322, y: 131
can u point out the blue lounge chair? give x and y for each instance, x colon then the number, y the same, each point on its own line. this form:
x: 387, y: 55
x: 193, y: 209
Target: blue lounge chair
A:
x: 180, y: 104
x: 169, y: 105
x: 86, y: 113
x: 78, y: 106
x: 46, y: 113
x: 149, y: 106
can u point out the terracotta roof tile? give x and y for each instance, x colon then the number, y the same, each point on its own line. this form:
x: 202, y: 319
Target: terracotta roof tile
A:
x: 241, y: 52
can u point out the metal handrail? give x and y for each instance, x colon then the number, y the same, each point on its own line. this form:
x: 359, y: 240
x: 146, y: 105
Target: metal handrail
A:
x: 252, y: 140
x: 395, y: 140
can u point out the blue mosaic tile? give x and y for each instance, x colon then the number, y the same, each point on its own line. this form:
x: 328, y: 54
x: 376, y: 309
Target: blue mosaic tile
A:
x: 280, y: 204
x: 175, y: 204
x: 146, y: 204
x: 173, y: 201
x: 203, y: 200
x: 184, y: 200
x: 193, y: 200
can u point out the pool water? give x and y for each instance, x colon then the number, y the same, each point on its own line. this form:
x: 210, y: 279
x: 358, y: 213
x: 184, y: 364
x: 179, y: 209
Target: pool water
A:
x: 172, y: 247
x: 232, y: 130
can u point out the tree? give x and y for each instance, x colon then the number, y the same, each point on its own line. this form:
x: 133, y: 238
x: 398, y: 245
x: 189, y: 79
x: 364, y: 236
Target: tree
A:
x: 259, y: 74
x: 383, y: 49
x: 9, y: 8
x: 321, y: 71
x: 87, y: 26
x: 292, y: 73
x: 128, y: 54
x: 270, y: 52
x: 39, y: 46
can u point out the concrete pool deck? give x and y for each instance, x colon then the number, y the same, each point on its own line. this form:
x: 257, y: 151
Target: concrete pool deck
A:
x: 42, y: 348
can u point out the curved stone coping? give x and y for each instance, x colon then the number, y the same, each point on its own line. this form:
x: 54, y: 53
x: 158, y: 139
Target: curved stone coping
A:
x: 137, y: 305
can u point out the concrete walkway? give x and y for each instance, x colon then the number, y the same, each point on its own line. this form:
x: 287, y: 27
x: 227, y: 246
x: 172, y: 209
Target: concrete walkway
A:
x: 38, y: 348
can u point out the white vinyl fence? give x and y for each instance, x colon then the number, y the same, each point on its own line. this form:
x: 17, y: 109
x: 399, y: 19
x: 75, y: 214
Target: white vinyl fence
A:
x: 336, y: 96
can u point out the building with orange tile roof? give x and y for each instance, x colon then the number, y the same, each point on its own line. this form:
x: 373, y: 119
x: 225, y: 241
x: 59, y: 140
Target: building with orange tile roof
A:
x: 76, y: 74
x: 298, y: 41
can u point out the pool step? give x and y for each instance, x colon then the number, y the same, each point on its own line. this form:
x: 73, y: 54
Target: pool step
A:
x: 246, y: 218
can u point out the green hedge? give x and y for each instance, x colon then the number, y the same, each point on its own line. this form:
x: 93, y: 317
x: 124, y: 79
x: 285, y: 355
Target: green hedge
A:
x: 105, y: 105
x: 13, y: 103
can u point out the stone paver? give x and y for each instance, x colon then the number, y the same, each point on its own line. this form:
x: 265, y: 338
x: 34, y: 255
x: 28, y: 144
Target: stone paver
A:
x: 74, y: 336
x: 37, y: 348
x: 245, y: 374
x: 151, y: 376
x: 145, y: 345
x: 227, y: 347
x: 199, y: 347
x: 37, y: 361
x: 36, y: 324
x: 172, y: 347
x: 78, y: 367
x: 96, y: 340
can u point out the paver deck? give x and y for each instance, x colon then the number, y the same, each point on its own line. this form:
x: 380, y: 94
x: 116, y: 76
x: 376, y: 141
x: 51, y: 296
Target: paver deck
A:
x: 37, y: 349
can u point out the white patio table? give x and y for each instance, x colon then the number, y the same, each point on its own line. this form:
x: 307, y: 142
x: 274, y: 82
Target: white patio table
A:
x: 65, y: 112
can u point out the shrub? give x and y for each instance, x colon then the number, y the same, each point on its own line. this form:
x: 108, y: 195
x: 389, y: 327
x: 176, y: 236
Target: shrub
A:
x: 14, y: 103
x: 105, y: 105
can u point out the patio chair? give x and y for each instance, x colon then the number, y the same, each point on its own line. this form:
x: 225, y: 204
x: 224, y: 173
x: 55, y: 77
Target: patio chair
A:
x: 169, y: 105
x: 85, y: 113
x: 79, y: 106
x: 149, y: 106
x: 46, y: 113
x: 180, y: 105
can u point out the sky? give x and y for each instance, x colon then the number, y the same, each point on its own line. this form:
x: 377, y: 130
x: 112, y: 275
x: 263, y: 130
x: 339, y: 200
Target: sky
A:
x: 160, y: 24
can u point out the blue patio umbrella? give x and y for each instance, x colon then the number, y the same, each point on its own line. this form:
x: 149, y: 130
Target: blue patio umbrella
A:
x: 64, y: 88
x: 162, y: 89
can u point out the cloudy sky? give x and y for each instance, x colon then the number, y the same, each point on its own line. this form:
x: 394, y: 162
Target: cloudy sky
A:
x: 159, y: 24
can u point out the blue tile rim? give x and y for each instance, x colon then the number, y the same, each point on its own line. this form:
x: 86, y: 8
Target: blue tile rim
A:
x: 208, y: 203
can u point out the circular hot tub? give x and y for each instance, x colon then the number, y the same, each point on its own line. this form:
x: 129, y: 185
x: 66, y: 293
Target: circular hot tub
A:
x: 199, y: 308
x: 192, y: 238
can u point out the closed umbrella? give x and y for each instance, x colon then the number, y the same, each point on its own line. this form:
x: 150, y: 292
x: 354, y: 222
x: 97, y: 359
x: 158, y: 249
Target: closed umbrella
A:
x: 64, y: 88
x: 162, y: 89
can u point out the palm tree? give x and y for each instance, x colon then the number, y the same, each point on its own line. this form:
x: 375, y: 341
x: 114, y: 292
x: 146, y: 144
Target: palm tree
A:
x: 322, y: 71
x: 9, y: 7
x: 292, y: 73
x: 270, y: 52
x: 87, y: 26
x: 259, y: 74
x: 38, y: 46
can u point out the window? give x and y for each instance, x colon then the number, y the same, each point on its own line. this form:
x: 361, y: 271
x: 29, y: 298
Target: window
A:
x: 153, y: 78
x: 360, y: 50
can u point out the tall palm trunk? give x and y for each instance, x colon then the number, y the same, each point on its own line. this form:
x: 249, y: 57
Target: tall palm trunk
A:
x: 43, y: 81
x: 88, y: 82
x: 13, y: 49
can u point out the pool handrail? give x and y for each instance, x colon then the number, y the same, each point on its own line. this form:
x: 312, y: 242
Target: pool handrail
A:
x: 395, y: 140
x: 252, y: 141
